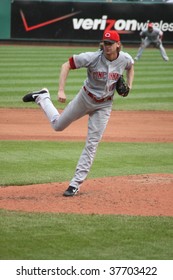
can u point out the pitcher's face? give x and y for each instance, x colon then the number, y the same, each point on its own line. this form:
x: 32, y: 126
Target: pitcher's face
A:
x: 111, y: 49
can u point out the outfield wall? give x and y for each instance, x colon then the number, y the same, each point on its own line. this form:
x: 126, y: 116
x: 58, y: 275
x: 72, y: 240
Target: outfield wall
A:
x: 77, y: 22
x: 5, y: 19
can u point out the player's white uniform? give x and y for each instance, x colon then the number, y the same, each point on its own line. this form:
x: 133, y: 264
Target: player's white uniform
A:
x: 153, y: 37
x: 94, y: 98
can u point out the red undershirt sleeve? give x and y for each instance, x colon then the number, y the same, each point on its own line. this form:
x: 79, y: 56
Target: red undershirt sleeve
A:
x: 72, y: 63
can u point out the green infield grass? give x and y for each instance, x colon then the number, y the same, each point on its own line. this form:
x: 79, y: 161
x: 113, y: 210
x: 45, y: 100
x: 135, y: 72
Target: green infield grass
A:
x: 25, y: 236
x: 31, y: 162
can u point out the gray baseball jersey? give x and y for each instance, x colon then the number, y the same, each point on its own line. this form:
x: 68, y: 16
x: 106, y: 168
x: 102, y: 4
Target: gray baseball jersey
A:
x: 152, y: 36
x: 102, y: 74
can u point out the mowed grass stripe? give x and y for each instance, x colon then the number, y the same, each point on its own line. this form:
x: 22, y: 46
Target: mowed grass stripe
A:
x: 27, y: 68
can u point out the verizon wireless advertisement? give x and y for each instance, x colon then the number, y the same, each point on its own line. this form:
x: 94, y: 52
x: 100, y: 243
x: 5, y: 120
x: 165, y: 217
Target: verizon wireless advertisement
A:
x: 85, y: 22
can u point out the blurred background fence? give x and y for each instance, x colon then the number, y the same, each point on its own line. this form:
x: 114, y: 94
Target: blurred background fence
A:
x: 82, y: 21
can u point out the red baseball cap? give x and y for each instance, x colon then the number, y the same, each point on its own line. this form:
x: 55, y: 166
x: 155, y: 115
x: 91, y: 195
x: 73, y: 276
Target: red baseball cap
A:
x: 150, y: 24
x: 111, y: 36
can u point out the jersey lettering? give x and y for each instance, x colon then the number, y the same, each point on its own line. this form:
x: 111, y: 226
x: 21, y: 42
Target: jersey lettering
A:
x: 113, y: 76
x: 99, y: 75
x: 102, y: 75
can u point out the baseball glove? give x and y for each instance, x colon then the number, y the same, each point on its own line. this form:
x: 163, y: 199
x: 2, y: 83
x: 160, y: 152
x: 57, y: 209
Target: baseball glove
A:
x: 122, y: 87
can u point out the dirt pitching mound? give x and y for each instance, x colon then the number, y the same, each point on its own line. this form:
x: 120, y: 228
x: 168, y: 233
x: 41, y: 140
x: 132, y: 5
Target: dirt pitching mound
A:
x: 145, y: 195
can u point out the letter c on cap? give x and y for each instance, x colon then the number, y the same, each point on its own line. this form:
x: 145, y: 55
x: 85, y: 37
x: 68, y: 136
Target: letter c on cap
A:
x: 107, y: 35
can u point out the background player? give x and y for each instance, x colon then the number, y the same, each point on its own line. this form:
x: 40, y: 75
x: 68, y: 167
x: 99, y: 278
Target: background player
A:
x: 151, y: 35
x: 95, y: 98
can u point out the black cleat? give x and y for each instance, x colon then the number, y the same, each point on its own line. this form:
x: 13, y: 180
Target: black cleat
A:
x: 30, y: 97
x: 71, y: 191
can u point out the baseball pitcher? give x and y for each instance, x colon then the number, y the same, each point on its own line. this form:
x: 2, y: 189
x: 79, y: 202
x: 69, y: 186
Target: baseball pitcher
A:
x: 104, y: 76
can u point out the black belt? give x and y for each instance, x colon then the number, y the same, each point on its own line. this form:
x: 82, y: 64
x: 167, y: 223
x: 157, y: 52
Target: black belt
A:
x: 94, y: 97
